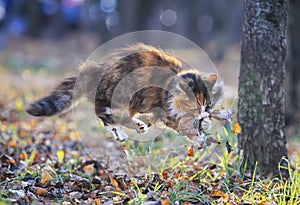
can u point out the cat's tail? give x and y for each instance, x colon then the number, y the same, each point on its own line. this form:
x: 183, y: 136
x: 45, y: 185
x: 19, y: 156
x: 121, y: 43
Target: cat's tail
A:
x: 65, y: 95
x: 59, y: 100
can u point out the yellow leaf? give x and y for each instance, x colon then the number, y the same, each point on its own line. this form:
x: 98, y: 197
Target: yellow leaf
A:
x: 236, y: 129
x: 32, y: 157
x: 19, y: 106
x: 60, y: 155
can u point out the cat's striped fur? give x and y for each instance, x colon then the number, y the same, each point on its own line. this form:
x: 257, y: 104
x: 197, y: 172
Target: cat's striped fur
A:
x: 182, y: 93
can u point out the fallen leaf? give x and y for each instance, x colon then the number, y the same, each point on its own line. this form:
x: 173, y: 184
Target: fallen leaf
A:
x: 237, y: 180
x: 89, y: 169
x: 98, y: 201
x: 24, y: 133
x: 165, y: 202
x: 12, y: 161
x: 183, y: 179
x: 217, y: 193
x: 23, y: 156
x: 13, y: 143
x: 32, y: 157
x: 236, y: 129
x: 60, y: 155
x: 190, y: 152
x: 46, y: 177
x: 176, y: 175
x: 165, y: 175
x: 41, y: 191
x: 114, y: 183
x: 19, y: 106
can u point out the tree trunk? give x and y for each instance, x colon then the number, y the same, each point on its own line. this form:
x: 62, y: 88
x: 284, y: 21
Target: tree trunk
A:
x: 293, y: 74
x: 262, y: 85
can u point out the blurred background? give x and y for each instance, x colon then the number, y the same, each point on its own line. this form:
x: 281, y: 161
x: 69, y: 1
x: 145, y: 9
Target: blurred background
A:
x: 49, y: 38
x: 33, y: 31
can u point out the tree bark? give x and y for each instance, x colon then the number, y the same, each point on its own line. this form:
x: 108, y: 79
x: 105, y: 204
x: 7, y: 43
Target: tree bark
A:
x: 293, y: 71
x: 262, y: 85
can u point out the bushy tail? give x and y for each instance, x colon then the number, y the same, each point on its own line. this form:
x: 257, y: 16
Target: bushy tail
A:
x: 59, y: 100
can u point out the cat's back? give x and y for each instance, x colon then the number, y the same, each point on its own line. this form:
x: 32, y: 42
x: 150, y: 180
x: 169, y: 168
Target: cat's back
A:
x: 140, y: 55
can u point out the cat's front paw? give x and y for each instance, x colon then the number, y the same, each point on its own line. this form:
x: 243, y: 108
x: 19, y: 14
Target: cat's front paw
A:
x: 205, y: 121
x: 140, y: 126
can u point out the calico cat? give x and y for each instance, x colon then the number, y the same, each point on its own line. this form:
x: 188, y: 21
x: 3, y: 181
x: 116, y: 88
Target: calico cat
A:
x: 156, y: 80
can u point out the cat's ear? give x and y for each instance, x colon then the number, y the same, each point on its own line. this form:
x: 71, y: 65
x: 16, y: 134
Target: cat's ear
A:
x: 186, y: 83
x: 211, y: 80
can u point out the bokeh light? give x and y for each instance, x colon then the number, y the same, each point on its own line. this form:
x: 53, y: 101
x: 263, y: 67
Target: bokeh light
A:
x: 108, y: 5
x: 18, y: 26
x: 50, y: 7
x: 112, y: 20
x: 94, y: 12
x: 168, y: 17
x: 205, y: 24
x: 2, y: 10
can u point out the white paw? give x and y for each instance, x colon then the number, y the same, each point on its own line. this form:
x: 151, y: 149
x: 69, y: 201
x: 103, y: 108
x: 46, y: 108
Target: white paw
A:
x: 206, y: 123
x: 117, y: 132
x: 140, y: 126
x: 203, y: 115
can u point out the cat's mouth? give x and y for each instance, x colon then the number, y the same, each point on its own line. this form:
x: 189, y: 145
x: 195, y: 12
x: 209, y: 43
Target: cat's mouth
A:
x: 201, y: 123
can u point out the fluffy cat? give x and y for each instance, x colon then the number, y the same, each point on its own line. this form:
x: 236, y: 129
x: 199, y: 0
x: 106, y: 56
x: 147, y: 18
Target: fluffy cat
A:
x: 157, y: 80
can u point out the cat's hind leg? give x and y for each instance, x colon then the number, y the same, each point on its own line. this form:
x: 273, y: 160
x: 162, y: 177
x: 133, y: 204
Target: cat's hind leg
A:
x: 105, y: 114
x: 116, y: 132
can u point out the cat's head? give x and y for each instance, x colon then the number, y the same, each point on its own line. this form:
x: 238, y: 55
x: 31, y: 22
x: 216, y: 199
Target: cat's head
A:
x: 196, y: 92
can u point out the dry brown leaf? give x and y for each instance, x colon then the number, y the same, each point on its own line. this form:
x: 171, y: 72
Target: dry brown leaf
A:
x: 183, y: 179
x: 13, y: 143
x: 190, y: 152
x: 98, y: 201
x: 165, y: 175
x: 176, y: 175
x: 46, y: 177
x: 23, y: 133
x: 41, y: 191
x: 217, y: 193
x: 12, y: 161
x: 114, y: 183
x: 165, y: 202
x: 89, y: 169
